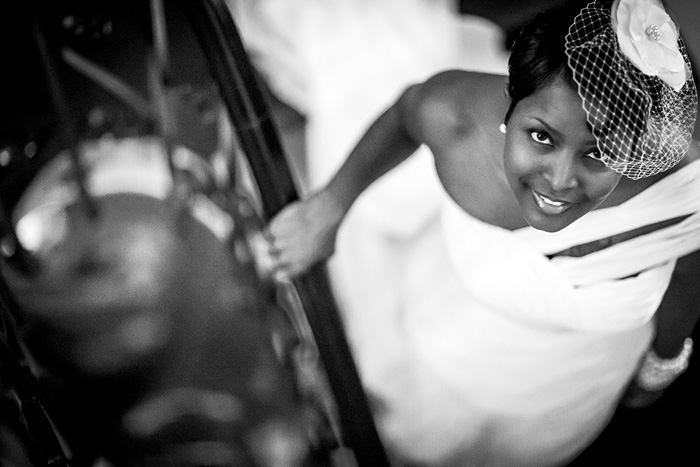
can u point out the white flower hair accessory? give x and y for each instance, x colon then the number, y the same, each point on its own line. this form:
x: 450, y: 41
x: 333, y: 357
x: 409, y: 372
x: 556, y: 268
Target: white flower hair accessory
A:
x: 634, y: 77
x: 649, y: 39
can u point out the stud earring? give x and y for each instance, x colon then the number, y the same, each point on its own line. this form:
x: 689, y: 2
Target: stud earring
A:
x: 502, y: 127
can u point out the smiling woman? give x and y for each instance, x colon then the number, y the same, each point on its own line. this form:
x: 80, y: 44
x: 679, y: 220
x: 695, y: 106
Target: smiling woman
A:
x: 538, y: 302
x: 551, y: 159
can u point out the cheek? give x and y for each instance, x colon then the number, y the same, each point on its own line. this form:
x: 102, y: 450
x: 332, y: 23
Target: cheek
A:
x: 599, y: 187
x: 517, y: 161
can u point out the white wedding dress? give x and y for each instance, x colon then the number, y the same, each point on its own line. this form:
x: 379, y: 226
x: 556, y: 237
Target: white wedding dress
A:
x: 500, y: 356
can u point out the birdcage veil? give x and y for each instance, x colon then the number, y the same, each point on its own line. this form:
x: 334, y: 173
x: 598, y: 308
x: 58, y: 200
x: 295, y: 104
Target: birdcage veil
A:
x: 641, y: 102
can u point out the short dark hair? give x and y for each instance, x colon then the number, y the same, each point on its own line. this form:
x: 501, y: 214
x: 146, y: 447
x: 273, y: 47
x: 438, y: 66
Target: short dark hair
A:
x: 537, y: 54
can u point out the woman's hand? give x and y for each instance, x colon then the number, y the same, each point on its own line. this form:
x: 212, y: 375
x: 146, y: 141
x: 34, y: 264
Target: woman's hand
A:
x: 636, y: 397
x: 303, y: 234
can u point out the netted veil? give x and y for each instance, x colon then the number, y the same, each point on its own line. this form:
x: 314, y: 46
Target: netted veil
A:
x: 642, y: 123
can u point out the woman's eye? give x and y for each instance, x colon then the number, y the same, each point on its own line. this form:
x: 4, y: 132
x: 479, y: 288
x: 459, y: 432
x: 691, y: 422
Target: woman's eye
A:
x: 595, y: 155
x: 541, y: 137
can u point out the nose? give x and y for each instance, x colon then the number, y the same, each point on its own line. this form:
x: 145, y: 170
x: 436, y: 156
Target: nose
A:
x: 560, y: 171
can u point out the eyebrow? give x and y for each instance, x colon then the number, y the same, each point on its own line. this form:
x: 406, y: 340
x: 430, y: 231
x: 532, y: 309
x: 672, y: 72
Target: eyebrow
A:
x: 548, y: 127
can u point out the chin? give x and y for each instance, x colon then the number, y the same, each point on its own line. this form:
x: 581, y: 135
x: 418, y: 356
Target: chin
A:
x: 548, y: 227
x: 548, y: 223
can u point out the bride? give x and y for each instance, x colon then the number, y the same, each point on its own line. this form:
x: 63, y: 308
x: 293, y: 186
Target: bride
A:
x: 534, y: 297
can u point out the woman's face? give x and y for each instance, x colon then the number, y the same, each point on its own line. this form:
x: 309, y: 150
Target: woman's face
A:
x: 550, y: 159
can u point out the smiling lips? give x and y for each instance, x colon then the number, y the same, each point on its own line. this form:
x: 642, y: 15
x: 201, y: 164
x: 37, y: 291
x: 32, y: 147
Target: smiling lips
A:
x: 548, y: 205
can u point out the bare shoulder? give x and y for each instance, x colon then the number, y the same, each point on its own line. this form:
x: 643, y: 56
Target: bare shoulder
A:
x: 457, y: 115
x: 452, y: 104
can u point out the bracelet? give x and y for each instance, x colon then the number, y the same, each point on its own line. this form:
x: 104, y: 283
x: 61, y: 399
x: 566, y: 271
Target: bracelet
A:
x: 657, y: 373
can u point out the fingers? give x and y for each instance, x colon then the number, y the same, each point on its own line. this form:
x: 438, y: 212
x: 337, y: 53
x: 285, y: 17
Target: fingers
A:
x: 272, y: 247
x: 287, y: 220
x: 297, y: 238
x: 284, y: 259
x: 263, y: 258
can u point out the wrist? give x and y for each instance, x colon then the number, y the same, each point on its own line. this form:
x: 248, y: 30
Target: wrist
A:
x: 337, y: 199
x: 656, y: 373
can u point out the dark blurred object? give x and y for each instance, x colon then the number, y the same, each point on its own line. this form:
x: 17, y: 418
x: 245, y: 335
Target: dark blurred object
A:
x: 507, y: 13
x: 138, y: 162
x: 686, y: 13
x: 510, y: 15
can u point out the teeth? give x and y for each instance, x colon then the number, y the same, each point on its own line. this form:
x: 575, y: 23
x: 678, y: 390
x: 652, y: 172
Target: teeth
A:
x: 549, y: 205
x: 551, y: 202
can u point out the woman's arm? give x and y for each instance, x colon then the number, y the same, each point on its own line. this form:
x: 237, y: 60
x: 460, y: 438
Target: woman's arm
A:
x: 391, y: 139
x: 438, y: 113
x: 304, y: 232
x: 680, y: 308
x: 676, y: 318
x: 432, y: 113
